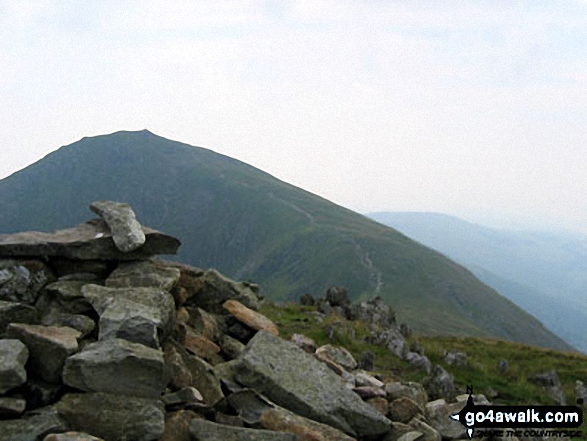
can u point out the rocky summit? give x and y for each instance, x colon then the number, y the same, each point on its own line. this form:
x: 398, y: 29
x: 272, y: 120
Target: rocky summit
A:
x: 102, y: 340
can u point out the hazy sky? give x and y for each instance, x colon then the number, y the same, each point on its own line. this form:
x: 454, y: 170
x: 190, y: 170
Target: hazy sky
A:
x: 472, y: 108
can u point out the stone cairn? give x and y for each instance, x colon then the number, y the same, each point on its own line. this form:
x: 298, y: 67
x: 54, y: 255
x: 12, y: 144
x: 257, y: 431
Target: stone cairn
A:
x: 102, y: 340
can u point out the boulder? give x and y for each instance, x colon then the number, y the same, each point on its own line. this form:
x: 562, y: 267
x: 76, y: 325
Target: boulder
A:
x: 362, y: 378
x: 211, y: 326
x: 12, y: 312
x: 231, y: 347
x: 117, y: 366
x: 202, y: 347
x: 295, y: 380
x: 339, y: 355
x: 307, y: 300
x: 147, y: 274
x: 403, y: 409
x: 113, y: 417
x: 33, y: 426
x: 429, y: 433
x: 207, y: 431
x: 48, y: 347
x: 456, y: 358
x: 375, y: 312
x: 250, y: 318
x: 552, y: 384
x: 440, y: 385
x: 366, y: 361
x: 419, y: 361
x: 438, y: 414
x: 39, y: 393
x: 412, y: 390
x: 79, y: 322
x: 21, y: 280
x: 368, y: 392
x: 213, y: 289
x: 13, y: 357
x: 127, y: 233
x: 11, y: 407
x: 392, y: 339
x: 88, y: 241
x: 304, y: 343
x: 180, y: 375
x: 337, y: 296
x: 177, y: 425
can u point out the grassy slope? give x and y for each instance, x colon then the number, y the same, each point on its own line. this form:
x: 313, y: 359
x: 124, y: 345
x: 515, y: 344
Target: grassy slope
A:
x: 248, y: 224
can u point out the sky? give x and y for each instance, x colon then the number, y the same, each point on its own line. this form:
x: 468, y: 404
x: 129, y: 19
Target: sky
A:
x: 476, y: 109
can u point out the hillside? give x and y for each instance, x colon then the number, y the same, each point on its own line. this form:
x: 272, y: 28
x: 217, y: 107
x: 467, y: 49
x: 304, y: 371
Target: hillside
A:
x: 544, y: 273
x: 250, y: 225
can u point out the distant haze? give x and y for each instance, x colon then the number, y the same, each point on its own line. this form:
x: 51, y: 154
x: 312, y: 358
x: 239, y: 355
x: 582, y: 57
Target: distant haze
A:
x: 478, y: 109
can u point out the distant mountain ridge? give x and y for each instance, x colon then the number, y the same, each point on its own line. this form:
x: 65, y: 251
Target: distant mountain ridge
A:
x: 250, y: 225
x: 543, y: 272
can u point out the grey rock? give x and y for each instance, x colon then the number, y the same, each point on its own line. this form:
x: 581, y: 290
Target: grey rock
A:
x: 117, y: 366
x: 366, y: 361
x: 581, y: 395
x: 441, y: 385
x: 403, y: 409
x: 409, y: 389
x: 140, y: 315
x: 48, y: 347
x: 12, y: 312
x: 295, y: 380
x: 503, y: 366
x: 364, y: 379
x: 392, y: 339
x: 207, y: 431
x: 419, y: 361
x: 39, y: 393
x: 256, y: 410
x: 368, y: 392
x: 455, y: 358
x: 127, y: 233
x: 89, y: 241
x: 114, y: 417
x: 21, y: 280
x: 429, y: 433
x: 231, y: 346
x: 337, y: 296
x: 182, y: 396
x: 81, y: 323
x: 307, y: 300
x: 11, y: 407
x: 405, y: 330
x: 339, y: 355
x: 146, y: 274
x: 64, y: 296
x: 438, y: 416
x: 375, y: 312
x: 33, y: 426
x: 552, y: 384
x: 416, y: 347
x: 214, y: 289
x: 71, y: 436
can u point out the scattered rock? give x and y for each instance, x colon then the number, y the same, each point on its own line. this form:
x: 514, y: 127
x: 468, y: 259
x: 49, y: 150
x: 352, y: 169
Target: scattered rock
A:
x: 581, y: 395
x: 366, y: 361
x: 64, y: 296
x: 21, y: 280
x: 13, y: 357
x: 182, y: 396
x: 419, y: 361
x: 177, y: 425
x: 202, y: 347
x: 89, y: 241
x: 117, y: 366
x: 39, y: 393
x: 416, y: 347
x: 403, y: 409
x: 455, y: 358
x: 392, y: 339
x: 179, y: 374
x: 364, y: 379
x: 441, y: 385
x: 48, y: 347
x: 250, y: 318
x: 231, y: 346
x: 379, y: 404
x: 81, y: 323
x: 295, y: 380
x: 368, y: 392
x: 503, y: 366
x: 414, y: 391
x: 375, y: 312
x: 339, y: 355
x: 113, y: 417
x: 550, y: 381
x: 337, y: 296
x: 405, y: 330
x: 32, y: 426
x: 438, y: 415
x: 307, y: 300
x: 127, y: 233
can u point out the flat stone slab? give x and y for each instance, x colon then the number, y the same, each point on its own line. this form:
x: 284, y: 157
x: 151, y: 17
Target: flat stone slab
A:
x: 201, y: 430
x: 295, y: 380
x: 117, y: 366
x: 126, y: 230
x: 48, y: 346
x: 89, y: 241
x: 249, y: 317
x: 13, y: 357
x: 114, y: 417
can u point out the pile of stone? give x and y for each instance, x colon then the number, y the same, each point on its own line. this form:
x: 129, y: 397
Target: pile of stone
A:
x: 99, y: 339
